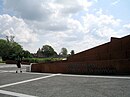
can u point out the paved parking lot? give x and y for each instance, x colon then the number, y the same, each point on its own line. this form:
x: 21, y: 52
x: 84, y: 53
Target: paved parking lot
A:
x: 28, y: 84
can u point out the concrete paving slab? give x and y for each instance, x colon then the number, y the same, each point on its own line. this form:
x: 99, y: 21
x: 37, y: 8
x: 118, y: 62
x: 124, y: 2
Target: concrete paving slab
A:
x: 12, y: 67
x: 63, y: 86
x: 4, y: 95
x: 12, y: 77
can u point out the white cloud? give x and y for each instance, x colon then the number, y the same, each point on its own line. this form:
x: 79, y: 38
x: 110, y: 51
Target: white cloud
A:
x: 101, y: 25
x: 60, y: 23
x: 18, y: 28
x: 96, y: 0
x: 115, y: 2
x: 98, y: 28
x: 127, y: 26
x: 29, y: 9
x: 43, y: 9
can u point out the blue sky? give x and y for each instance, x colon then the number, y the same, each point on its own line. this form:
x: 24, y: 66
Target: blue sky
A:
x: 74, y: 24
x: 117, y: 8
x: 1, y: 6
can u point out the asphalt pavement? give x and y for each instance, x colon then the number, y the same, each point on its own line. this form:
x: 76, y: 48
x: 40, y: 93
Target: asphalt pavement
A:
x: 30, y: 84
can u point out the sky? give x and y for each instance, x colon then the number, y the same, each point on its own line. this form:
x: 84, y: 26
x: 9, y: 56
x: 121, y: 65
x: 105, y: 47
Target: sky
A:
x: 73, y: 24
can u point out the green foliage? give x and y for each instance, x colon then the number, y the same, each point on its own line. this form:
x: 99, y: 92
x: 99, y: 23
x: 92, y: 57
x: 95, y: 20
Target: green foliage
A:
x: 1, y: 60
x: 63, y: 52
x: 72, y: 52
x: 26, y: 54
x: 9, y: 50
x: 42, y: 60
x: 48, y: 51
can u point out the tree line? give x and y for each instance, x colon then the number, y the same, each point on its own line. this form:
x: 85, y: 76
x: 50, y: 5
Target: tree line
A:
x: 48, y: 51
x: 10, y: 50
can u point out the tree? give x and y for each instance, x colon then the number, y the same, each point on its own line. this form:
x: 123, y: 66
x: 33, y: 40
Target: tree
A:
x: 48, y: 51
x: 15, y: 51
x: 4, y: 48
x: 26, y: 54
x: 72, y: 52
x: 39, y: 53
x: 64, y: 52
x: 9, y: 50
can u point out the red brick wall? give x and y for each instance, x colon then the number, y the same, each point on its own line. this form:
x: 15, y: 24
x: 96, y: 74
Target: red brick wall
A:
x: 110, y: 58
x: 90, y: 67
x: 116, y: 49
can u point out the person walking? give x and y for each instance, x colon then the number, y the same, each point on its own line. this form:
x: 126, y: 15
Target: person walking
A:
x: 18, y: 66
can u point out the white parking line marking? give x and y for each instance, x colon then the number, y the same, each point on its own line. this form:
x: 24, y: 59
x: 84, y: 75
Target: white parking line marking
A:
x: 37, y: 73
x: 96, y: 76
x: 15, y: 94
x: 1, y: 71
x: 24, y: 71
x: 30, y: 80
x: 5, y: 66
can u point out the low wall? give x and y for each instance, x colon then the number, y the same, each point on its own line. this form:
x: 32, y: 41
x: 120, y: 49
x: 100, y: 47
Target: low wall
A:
x: 14, y: 62
x: 109, y: 58
x: 89, y: 67
x: 117, y: 48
